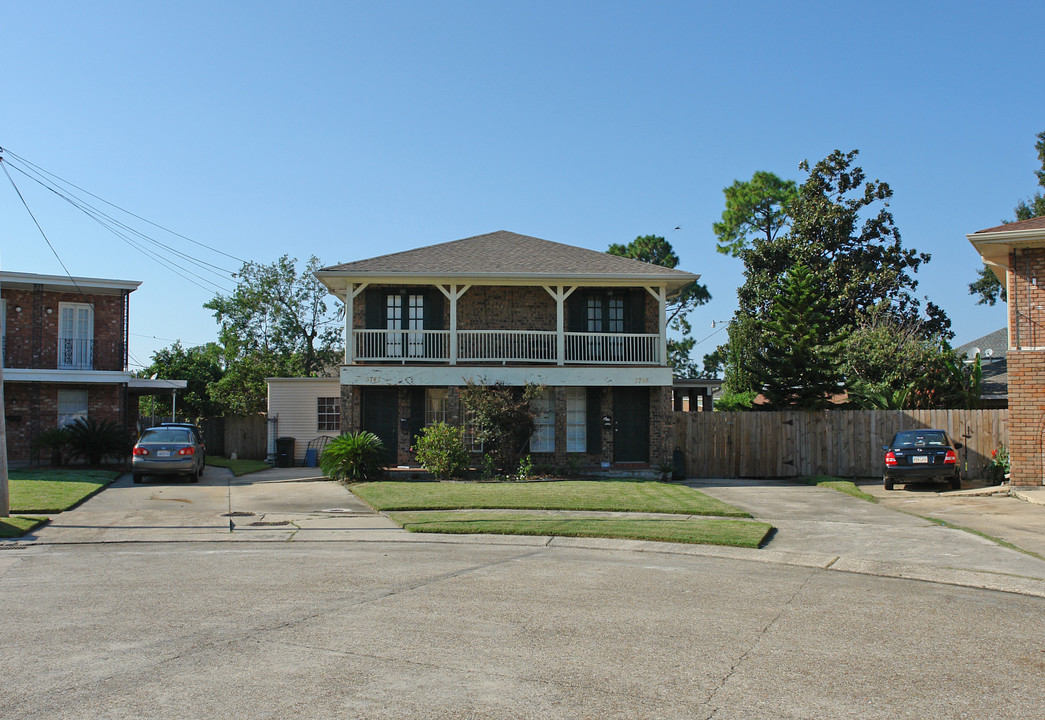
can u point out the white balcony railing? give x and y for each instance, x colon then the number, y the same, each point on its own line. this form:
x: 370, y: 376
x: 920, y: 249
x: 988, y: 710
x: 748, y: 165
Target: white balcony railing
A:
x: 402, y: 345
x: 612, y: 348
x: 505, y: 346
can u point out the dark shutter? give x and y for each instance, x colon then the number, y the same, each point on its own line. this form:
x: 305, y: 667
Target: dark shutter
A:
x: 635, y: 311
x: 417, y: 413
x: 374, y: 301
x: 593, y: 417
x: 577, y: 311
x: 434, y: 309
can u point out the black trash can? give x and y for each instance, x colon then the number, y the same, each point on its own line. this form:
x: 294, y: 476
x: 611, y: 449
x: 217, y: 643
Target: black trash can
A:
x: 284, y: 452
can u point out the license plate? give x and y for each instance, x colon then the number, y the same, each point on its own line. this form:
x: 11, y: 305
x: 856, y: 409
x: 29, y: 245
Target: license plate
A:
x: 163, y: 453
x: 920, y: 459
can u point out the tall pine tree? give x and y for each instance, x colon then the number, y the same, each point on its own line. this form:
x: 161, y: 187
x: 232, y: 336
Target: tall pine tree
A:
x: 799, y: 363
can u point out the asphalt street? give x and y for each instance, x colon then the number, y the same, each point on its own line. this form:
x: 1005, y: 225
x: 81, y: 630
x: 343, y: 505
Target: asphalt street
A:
x: 142, y: 604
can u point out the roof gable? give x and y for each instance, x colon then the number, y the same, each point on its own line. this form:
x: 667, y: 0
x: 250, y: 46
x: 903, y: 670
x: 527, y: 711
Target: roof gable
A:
x: 505, y: 253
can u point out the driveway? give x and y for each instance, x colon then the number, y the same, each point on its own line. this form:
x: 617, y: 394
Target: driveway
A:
x: 816, y: 527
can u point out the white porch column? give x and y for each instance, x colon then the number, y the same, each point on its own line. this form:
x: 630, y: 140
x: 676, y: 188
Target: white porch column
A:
x: 559, y: 294
x: 662, y: 303
x: 453, y: 294
x: 351, y: 291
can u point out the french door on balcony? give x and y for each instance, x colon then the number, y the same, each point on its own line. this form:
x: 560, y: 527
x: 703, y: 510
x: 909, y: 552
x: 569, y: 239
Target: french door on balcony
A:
x: 75, y: 336
x: 404, y: 314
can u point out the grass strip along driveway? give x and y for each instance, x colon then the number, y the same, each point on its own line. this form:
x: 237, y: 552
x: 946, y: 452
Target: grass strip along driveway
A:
x: 49, y: 492
x: 467, y: 508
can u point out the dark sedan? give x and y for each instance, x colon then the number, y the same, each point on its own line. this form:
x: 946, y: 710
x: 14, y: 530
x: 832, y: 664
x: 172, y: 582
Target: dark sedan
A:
x: 915, y: 455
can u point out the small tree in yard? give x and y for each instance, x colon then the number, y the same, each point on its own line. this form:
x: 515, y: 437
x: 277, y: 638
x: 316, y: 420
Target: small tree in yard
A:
x: 502, y: 419
x: 440, y: 450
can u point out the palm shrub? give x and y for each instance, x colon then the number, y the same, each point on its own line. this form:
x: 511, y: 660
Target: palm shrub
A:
x: 440, y: 450
x: 54, y: 440
x: 94, y: 441
x: 354, y: 457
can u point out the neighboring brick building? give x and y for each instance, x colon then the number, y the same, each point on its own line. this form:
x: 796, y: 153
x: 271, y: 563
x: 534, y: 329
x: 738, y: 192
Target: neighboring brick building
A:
x: 65, y: 356
x: 1016, y: 254
x: 587, y: 325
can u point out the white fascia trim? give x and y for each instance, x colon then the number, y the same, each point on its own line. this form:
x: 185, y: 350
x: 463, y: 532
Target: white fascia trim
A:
x: 104, y: 377
x: 158, y: 384
x: 336, y: 282
x: 1006, y: 236
x: 459, y: 375
x: 65, y: 282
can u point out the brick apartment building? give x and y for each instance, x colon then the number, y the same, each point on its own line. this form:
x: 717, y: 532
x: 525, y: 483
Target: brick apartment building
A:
x: 65, y: 356
x: 1016, y: 254
x: 588, y: 326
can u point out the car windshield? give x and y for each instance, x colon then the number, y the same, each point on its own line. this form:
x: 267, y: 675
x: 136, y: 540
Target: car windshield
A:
x: 166, y: 435
x: 919, y: 439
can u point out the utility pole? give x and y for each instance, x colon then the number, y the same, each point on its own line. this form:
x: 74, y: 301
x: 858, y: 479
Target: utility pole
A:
x: 5, y: 496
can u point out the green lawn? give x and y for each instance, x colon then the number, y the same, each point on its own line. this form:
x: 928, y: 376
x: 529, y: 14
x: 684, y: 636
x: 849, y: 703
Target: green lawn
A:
x: 12, y: 527
x: 499, y: 508
x: 52, y: 491
x: 600, y: 495
x: 239, y: 466
x: 708, y: 531
x: 844, y: 486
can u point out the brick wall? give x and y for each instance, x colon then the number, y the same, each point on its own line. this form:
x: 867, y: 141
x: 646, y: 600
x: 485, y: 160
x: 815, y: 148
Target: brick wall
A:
x: 1026, y: 298
x: 1026, y: 416
x: 32, y: 408
x: 31, y: 338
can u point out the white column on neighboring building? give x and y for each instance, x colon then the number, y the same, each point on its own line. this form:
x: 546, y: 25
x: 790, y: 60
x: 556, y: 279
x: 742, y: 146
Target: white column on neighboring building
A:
x: 349, y: 311
x: 453, y: 294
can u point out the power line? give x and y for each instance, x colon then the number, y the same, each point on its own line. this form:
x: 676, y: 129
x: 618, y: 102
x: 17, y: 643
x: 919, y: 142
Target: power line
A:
x: 128, y: 212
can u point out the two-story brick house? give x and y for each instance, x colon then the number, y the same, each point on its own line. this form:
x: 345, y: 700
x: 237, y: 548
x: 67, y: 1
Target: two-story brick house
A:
x: 1016, y: 254
x: 588, y: 326
x: 65, y: 355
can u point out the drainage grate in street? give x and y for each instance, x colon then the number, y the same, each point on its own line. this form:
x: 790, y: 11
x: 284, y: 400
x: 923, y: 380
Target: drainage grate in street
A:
x: 238, y: 513
x: 270, y: 522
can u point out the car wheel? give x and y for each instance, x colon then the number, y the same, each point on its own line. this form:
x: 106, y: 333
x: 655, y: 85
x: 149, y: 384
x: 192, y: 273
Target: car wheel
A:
x: 888, y: 482
x: 137, y: 478
x: 956, y: 482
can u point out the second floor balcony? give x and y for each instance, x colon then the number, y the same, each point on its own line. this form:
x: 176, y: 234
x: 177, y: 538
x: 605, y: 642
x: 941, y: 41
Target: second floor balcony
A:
x: 66, y: 354
x: 505, y: 347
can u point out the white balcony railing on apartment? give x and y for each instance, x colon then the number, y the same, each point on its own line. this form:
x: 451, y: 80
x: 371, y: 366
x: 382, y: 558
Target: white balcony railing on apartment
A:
x: 402, y: 345
x: 613, y: 348
x: 505, y: 346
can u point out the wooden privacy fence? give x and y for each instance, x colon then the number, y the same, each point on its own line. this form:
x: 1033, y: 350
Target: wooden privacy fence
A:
x: 844, y: 443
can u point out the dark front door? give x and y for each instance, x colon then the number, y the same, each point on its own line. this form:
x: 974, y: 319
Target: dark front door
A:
x: 380, y: 411
x: 630, y: 424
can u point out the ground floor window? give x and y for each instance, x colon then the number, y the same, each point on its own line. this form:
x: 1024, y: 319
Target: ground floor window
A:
x: 72, y: 406
x: 328, y: 413
x: 576, y: 420
x: 435, y: 405
x: 543, y: 438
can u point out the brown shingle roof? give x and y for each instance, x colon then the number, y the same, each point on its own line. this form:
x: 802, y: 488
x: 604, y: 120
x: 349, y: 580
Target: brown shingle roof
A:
x: 507, y: 253
x: 1037, y: 223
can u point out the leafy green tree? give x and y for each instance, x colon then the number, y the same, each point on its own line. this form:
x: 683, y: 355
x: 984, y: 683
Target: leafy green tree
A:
x: 502, y: 419
x: 842, y: 231
x: 755, y: 208
x: 799, y: 363
x: 987, y: 286
x: 274, y: 324
x: 656, y: 250
x: 200, y: 366
x: 275, y: 309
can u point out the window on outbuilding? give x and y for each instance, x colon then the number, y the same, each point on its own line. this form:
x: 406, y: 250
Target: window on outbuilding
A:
x: 328, y: 414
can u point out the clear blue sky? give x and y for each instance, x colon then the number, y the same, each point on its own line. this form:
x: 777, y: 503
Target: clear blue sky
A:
x: 352, y: 129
